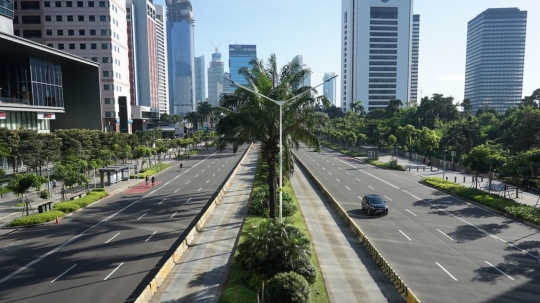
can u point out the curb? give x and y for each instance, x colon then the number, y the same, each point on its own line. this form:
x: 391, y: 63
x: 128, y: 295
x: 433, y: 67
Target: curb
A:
x: 389, y: 272
x: 149, y: 291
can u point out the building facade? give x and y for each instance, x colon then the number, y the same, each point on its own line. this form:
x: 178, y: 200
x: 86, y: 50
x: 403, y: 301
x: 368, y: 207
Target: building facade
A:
x: 226, y: 84
x: 300, y: 60
x: 329, y: 88
x: 180, y: 56
x: 375, y: 52
x: 95, y: 30
x: 240, y: 55
x: 414, y: 59
x: 215, y: 79
x: 200, y: 79
x: 163, y: 77
x: 495, y: 58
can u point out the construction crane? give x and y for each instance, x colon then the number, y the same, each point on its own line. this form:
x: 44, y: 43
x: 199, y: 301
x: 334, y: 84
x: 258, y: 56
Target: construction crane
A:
x: 216, y: 48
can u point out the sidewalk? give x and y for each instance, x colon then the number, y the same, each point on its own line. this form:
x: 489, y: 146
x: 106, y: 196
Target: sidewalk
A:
x: 419, y: 169
x: 203, y: 268
x: 350, y: 274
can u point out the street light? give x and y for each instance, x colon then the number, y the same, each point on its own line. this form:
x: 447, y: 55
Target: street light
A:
x: 280, y: 103
x: 444, y: 164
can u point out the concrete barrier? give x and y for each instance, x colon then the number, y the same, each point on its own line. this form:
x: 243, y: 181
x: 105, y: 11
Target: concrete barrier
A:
x: 388, y: 271
x: 146, y: 295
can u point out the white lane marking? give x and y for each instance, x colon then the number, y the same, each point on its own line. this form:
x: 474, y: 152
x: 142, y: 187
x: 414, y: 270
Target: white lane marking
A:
x: 63, y: 273
x: 371, y: 187
x: 326, y: 160
x: 227, y: 162
x: 10, y: 215
x: 329, y: 173
x: 196, y: 175
x: 162, y: 201
x: 347, y: 173
x: 338, y: 180
x: 200, y: 189
x: 358, y: 180
x: 13, y: 243
x: 404, y: 235
x: 323, y: 168
x: 141, y: 216
x: 203, y: 170
x: 176, y: 190
x: 390, y: 184
x: 445, y: 235
x: 222, y: 165
x: 151, y: 192
x: 207, y: 181
x: 387, y: 198
x: 213, y: 162
x: 188, y: 201
x: 173, y: 215
x: 500, y: 271
x: 318, y: 164
x: 112, y: 238
x: 113, y: 271
x: 339, y: 168
x: 213, y: 175
x: 208, y: 165
x: 150, y: 236
x: 219, y: 169
x: 359, y: 197
x: 347, y: 187
x: 446, y: 271
x: 410, y: 212
x: 188, y: 181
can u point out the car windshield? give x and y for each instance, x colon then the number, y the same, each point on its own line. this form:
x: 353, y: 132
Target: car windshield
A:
x: 376, y: 200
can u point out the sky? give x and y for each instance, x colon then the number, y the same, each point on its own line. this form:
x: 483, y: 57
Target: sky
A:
x: 312, y: 29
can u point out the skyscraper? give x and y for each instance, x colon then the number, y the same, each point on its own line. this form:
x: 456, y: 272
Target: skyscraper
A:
x: 495, y: 58
x: 95, y: 30
x: 200, y: 79
x: 300, y: 60
x: 180, y: 52
x: 226, y: 84
x: 375, y: 52
x: 163, y: 77
x: 414, y: 59
x: 329, y: 88
x: 240, y: 56
x: 215, y: 79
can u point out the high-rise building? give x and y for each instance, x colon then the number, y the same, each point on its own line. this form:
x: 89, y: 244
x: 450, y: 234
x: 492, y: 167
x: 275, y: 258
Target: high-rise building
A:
x: 181, y: 58
x: 226, y: 84
x: 495, y: 58
x: 200, y: 79
x: 414, y: 59
x: 300, y: 60
x: 215, y: 79
x: 375, y: 52
x: 95, y: 30
x: 329, y: 88
x: 240, y: 56
x: 163, y: 77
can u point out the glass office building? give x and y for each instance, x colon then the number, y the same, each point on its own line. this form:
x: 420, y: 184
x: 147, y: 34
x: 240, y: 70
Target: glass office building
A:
x: 239, y: 56
x: 495, y: 58
x: 180, y: 56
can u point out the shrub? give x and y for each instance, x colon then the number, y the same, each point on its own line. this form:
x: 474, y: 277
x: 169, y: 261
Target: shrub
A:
x: 271, y: 248
x: 66, y: 207
x: 288, y: 287
x: 260, y: 204
x: 305, y: 268
x: 385, y: 165
x: 288, y: 206
x: 98, y: 189
x: 151, y: 171
x: 90, y: 198
x: 36, y: 218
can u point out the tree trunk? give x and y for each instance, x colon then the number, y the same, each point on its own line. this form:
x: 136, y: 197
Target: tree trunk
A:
x: 272, y: 186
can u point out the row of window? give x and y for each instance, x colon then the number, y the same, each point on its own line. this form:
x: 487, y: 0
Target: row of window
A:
x: 374, y: 91
x: 389, y: 97
x: 382, y: 86
x: 71, y: 32
x: 382, y: 39
x: 118, y: 88
x: 70, y: 3
x: 382, y: 80
x: 382, y: 62
x: 382, y: 34
x: 383, y: 57
x: 383, y: 46
x: 70, y: 18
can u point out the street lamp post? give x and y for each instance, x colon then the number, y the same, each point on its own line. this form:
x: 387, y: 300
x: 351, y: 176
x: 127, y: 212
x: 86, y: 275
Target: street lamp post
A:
x: 444, y: 164
x: 280, y: 103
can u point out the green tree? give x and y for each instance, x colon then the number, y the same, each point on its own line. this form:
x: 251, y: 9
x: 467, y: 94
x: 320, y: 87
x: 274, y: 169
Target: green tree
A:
x: 482, y: 159
x: 428, y: 141
x: 204, y: 111
x: 408, y: 136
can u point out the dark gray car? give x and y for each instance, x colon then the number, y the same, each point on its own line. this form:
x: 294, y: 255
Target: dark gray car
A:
x: 374, y: 205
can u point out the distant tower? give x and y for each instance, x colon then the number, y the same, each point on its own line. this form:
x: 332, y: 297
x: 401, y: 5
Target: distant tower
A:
x: 163, y: 76
x: 180, y: 53
x: 329, y: 88
x: 414, y: 59
x: 227, y: 84
x: 215, y: 78
x: 495, y: 58
x: 239, y: 56
x: 200, y: 79
x: 307, y: 78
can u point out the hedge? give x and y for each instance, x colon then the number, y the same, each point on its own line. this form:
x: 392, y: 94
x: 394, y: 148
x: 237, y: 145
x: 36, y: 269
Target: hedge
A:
x: 341, y: 149
x: 191, y: 153
x: 36, y: 218
x: 528, y: 213
x: 385, y: 165
x: 151, y: 171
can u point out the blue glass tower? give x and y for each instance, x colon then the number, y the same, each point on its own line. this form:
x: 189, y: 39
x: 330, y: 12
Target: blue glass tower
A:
x: 495, y: 58
x: 239, y: 56
x: 181, y: 56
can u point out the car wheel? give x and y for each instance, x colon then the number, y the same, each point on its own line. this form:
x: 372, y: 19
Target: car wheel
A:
x: 386, y: 213
x: 369, y: 212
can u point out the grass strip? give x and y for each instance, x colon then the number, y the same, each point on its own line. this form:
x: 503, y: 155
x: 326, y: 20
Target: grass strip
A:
x: 385, y: 165
x: 36, y: 218
x: 528, y: 213
x: 151, y: 171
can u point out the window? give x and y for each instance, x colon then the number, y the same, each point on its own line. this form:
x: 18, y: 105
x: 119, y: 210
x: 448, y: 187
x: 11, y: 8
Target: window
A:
x: 31, y: 20
x: 79, y: 4
x: 383, y: 22
x: 91, y: 18
x: 82, y: 46
x: 382, y: 63
x: 80, y: 18
x: 58, y: 18
x: 101, y: 3
x: 384, y: 69
x: 107, y: 100
x: 105, y: 60
x: 32, y: 33
x: 384, y: 12
x: 71, y: 32
x: 69, y: 4
x: 47, y: 3
x: 383, y: 28
x: 61, y: 46
x: 93, y: 46
x: 105, y: 73
x: 57, y: 3
x: 103, y: 45
x: 383, y: 46
x: 72, y: 46
x: 108, y: 114
x: 94, y: 59
x: 60, y: 32
x: 82, y: 32
x: 48, y: 18
x: 90, y: 3
x: 92, y: 32
x: 383, y: 51
x: 383, y: 40
x: 49, y: 44
x: 49, y: 32
x: 106, y: 87
x: 102, y: 18
x: 69, y: 18
x: 30, y: 5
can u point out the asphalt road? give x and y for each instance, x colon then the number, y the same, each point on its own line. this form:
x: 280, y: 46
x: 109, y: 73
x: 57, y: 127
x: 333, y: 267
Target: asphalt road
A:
x: 106, y: 252
x: 445, y: 249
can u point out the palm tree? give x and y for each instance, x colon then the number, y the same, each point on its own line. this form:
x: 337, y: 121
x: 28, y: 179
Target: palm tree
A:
x: 192, y: 117
x: 251, y: 118
x: 204, y: 111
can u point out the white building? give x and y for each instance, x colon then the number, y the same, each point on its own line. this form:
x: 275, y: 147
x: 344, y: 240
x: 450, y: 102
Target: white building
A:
x: 215, y: 79
x: 375, y: 51
x: 414, y: 59
x: 307, y: 78
x: 163, y: 78
x: 329, y: 88
x: 200, y: 79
